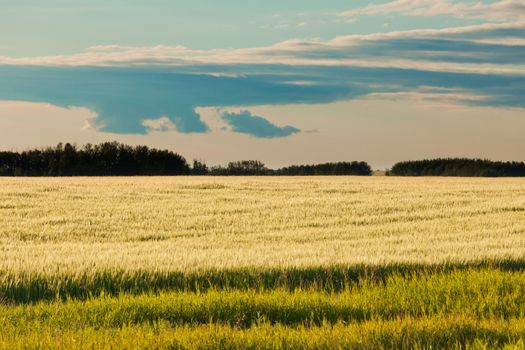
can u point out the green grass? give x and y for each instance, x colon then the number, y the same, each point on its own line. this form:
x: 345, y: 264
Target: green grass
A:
x: 435, y: 333
x: 30, y: 288
x: 475, y: 308
x: 480, y: 294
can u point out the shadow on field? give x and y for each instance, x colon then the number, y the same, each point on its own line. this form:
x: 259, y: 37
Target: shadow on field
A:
x: 29, y: 288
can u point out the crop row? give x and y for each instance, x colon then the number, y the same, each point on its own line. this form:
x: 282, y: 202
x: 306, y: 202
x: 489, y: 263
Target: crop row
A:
x: 408, y: 333
x: 34, y: 287
x: 480, y: 294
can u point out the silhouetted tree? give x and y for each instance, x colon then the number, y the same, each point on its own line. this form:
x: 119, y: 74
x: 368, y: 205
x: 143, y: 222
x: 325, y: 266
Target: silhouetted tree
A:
x: 458, y: 167
x: 105, y: 159
x: 247, y: 167
x: 340, y: 168
x: 199, y: 168
x: 113, y: 158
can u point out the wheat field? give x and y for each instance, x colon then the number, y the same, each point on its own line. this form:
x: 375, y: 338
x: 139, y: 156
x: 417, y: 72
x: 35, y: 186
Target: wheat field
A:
x: 198, y: 223
x: 262, y: 262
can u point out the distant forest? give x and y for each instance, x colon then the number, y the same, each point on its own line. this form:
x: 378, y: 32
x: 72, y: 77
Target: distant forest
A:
x: 251, y: 167
x: 105, y: 159
x: 458, y: 167
x: 116, y: 159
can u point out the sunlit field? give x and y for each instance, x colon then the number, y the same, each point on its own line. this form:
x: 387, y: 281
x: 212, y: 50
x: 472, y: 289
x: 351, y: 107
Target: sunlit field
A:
x: 295, y: 262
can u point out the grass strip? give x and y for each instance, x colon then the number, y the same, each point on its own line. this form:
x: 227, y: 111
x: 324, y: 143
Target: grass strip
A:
x: 34, y: 287
x: 408, y: 333
x: 481, y: 294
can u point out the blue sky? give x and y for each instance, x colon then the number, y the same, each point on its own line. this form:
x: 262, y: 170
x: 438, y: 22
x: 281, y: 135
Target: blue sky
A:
x: 68, y: 26
x: 224, y: 80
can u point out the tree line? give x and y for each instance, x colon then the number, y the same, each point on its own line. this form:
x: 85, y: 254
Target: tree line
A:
x: 105, y: 159
x: 253, y: 167
x: 458, y: 167
x: 116, y: 159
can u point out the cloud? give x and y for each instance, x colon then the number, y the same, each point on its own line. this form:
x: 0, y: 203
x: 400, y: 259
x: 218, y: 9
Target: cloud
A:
x: 161, y: 124
x: 131, y: 100
x: 124, y: 98
x: 490, y: 47
x: 503, y: 10
x: 246, y: 123
x: 431, y: 97
x: 138, y: 90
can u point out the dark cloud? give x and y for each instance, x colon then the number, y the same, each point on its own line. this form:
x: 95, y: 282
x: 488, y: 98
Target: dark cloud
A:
x: 124, y: 97
x: 246, y: 123
x: 452, y: 50
x: 443, y: 50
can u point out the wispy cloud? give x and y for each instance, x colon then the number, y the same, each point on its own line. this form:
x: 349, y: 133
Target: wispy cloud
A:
x: 503, y: 10
x: 486, y: 48
x: 160, y: 124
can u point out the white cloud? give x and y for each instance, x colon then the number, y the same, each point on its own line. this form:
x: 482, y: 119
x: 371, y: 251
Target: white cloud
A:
x: 503, y: 10
x: 452, y: 32
x: 299, y: 82
x: 350, y: 20
x: 429, y: 99
x: 93, y: 124
x: 160, y: 124
x: 340, y: 51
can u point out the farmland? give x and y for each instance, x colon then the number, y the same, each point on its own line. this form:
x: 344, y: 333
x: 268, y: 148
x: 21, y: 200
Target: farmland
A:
x: 247, y: 262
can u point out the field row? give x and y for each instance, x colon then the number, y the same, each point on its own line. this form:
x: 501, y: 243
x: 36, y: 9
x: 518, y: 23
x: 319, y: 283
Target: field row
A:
x: 22, y: 288
x: 408, y: 333
x: 183, y: 224
x: 470, y: 293
x: 475, y: 308
x: 262, y: 263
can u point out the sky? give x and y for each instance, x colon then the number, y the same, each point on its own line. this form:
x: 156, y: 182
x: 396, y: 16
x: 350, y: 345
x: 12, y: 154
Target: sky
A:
x: 286, y: 83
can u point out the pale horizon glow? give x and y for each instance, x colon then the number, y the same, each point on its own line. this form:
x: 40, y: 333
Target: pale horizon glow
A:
x: 348, y: 137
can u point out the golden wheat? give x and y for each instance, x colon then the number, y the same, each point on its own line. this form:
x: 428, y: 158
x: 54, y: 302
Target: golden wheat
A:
x: 163, y: 224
